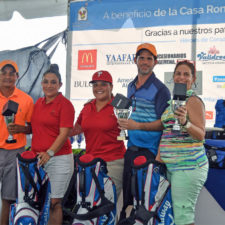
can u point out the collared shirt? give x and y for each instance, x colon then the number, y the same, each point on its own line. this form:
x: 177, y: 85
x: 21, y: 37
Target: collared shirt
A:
x: 22, y: 116
x: 148, y: 103
x: 47, y: 119
x: 101, y: 131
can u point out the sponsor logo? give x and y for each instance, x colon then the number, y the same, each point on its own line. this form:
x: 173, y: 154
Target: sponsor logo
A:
x: 124, y: 82
x: 220, y: 86
x: 82, y: 84
x: 166, y: 211
x: 82, y: 14
x: 124, y: 59
x: 170, y: 58
x: 209, y: 115
x: 87, y: 59
x: 213, y: 56
x: 219, y: 79
x: 119, y: 59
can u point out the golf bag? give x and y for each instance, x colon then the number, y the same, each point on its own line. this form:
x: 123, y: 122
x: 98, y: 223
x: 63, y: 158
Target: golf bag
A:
x: 33, y: 192
x: 215, y: 151
x: 96, y: 193
x: 220, y: 119
x: 152, y: 204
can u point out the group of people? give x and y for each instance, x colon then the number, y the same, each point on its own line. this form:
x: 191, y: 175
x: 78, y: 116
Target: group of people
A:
x: 150, y: 132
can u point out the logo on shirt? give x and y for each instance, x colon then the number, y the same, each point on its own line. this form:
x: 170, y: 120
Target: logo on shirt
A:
x: 87, y: 59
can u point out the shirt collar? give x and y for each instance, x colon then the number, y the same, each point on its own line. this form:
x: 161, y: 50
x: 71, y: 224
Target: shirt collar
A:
x: 147, y: 83
x: 15, y: 93
x: 55, y: 100
x: 108, y: 103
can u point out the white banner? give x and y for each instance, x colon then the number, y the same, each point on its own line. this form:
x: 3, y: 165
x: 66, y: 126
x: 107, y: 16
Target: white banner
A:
x: 105, y: 37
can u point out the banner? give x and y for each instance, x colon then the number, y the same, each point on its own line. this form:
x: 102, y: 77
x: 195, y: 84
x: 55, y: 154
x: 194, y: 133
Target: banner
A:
x: 105, y: 35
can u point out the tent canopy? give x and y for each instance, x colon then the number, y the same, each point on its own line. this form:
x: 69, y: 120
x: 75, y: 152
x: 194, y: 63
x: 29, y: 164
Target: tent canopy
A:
x: 30, y: 9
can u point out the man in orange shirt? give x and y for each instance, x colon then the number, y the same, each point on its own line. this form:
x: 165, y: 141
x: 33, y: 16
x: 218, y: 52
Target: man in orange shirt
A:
x: 19, y: 129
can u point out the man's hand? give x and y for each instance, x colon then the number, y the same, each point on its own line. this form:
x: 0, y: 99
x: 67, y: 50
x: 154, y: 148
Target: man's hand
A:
x: 15, y: 129
x: 125, y: 124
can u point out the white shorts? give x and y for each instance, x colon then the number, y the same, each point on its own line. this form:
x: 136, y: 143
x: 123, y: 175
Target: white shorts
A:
x: 60, y: 170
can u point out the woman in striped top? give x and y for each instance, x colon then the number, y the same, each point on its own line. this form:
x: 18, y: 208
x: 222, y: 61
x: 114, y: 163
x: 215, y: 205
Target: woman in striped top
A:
x: 183, y: 152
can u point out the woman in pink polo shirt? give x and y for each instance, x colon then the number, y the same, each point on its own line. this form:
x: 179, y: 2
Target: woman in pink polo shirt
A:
x: 99, y: 125
x: 52, y: 121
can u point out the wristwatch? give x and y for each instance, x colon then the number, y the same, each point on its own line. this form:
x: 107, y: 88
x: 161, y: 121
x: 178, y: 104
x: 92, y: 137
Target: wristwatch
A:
x: 187, y: 124
x: 51, y: 153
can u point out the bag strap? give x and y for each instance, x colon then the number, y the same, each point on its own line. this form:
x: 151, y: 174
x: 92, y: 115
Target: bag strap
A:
x: 105, y: 207
x: 29, y: 180
x: 214, y: 147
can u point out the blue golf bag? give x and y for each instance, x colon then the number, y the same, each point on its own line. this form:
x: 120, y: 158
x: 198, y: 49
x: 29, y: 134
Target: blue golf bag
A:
x: 220, y: 119
x: 152, y: 203
x: 96, y: 193
x: 215, y: 151
x: 33, y: 192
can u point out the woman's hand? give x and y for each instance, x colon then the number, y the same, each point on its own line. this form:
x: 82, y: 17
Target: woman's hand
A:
x: 181, y: 114
x: 43, y: 158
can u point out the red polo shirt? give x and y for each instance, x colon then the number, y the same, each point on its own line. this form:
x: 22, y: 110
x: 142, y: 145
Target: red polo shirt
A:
x: 101, y: 131
x: 46, y: 121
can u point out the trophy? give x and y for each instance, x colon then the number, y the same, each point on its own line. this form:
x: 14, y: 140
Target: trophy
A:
x: 122, y: 110
x: 79, y: 138
x: 122, y: 114
x: 179, y: 97
x: 9, y: 110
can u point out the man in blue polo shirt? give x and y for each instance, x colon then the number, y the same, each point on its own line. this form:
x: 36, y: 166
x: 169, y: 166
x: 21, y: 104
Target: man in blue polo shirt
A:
x: 149, y: 100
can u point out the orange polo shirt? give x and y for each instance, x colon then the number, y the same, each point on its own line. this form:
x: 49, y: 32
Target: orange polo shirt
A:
x: 23, y: 115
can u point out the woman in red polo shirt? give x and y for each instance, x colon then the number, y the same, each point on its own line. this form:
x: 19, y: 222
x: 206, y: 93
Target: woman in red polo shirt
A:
x: 51, y: 122
x: 99, y: 125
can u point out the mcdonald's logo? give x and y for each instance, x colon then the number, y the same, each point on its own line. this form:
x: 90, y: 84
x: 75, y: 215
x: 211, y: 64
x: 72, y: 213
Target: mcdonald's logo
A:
x: 87, y: 59
x: 209, y: 115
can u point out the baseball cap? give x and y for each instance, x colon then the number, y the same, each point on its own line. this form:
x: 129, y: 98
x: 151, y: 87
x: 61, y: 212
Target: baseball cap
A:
x: 10, y: 63
x: 148, y: 47
x: 101, y: 75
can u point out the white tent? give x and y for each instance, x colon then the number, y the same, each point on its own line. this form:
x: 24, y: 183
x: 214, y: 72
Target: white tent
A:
x: 32, y: 8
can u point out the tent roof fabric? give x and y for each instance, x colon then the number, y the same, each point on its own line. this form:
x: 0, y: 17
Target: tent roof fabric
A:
x: 30, y: 9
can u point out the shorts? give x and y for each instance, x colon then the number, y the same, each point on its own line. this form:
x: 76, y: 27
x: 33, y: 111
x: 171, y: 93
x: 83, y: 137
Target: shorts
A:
x: 115, y: 171
x: 8, y: 173
x: 60, y: 170
x: 185, y: 189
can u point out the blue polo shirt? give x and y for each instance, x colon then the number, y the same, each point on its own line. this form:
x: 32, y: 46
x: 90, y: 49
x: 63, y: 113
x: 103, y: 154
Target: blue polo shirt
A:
x: 148, y: 103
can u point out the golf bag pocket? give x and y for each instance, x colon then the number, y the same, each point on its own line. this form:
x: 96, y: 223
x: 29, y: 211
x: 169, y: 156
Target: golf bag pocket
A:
x: 96, y: 193
x: 23, y: 213
x: 215, y: 151
x: 33, y: 192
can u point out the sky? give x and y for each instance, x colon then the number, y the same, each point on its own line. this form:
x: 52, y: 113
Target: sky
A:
x: 19, y: 32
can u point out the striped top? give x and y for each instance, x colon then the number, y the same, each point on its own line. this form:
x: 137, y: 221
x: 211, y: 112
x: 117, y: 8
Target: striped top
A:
x: 179, y: 150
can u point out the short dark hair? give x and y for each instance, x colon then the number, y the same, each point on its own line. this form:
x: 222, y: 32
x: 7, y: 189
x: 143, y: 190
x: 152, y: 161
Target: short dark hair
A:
x: 54, y: 69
